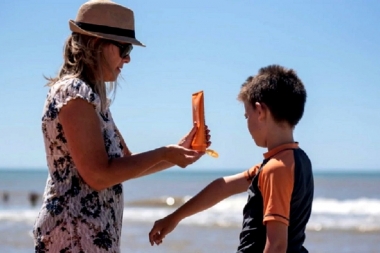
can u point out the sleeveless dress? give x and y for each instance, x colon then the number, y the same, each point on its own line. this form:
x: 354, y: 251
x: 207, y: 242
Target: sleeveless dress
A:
x: 73, y: 217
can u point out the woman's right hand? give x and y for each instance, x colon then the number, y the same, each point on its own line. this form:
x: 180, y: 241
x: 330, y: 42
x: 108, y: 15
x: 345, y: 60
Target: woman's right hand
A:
x: 181, y: 156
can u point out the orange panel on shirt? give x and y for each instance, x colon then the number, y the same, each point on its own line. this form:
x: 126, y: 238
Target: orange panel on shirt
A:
x: 276, y: 182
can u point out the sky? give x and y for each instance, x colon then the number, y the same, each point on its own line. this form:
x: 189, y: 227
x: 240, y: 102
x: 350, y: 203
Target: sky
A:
x: 333, y: 45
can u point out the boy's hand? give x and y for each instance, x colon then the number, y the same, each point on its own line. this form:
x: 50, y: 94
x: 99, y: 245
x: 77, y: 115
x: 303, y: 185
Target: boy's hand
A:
x: 161, y: 228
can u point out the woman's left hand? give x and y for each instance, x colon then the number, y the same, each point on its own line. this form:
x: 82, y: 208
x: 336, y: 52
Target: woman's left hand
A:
x: 187, y: 139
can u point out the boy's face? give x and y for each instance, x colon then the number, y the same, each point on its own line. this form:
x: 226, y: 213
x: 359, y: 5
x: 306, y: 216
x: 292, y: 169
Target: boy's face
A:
x: 255, y: 122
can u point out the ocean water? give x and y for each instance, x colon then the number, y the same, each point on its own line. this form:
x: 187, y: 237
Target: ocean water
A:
x: 345, y: 216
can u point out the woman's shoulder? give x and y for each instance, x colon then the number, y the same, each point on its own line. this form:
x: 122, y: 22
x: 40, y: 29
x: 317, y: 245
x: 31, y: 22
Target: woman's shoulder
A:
x: 68, y: 88
x: 69, y: 82
x: 71, y: 86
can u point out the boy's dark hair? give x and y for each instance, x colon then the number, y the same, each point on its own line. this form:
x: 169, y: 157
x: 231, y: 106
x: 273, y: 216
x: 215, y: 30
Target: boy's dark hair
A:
x: 279, y: 89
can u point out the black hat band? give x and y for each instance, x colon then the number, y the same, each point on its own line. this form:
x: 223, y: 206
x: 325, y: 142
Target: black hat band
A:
x: 106, y: 29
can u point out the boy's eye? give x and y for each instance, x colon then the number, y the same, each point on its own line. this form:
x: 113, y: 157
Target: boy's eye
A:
x: 245, y: 116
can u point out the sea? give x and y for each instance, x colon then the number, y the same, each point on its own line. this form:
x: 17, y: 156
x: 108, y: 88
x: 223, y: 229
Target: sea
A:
x: 345, y: 216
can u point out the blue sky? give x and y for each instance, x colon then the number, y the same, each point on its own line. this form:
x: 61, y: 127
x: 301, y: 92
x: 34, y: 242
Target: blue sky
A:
x: 213, y: 46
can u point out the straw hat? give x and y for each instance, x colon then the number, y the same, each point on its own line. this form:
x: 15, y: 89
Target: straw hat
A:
x: 106, y: 19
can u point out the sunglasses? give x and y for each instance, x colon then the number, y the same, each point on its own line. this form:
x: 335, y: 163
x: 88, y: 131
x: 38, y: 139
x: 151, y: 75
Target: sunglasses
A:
x: 124, y: 49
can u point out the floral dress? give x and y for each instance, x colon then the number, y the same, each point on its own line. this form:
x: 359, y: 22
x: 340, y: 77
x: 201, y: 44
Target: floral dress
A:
x: 73, y: 217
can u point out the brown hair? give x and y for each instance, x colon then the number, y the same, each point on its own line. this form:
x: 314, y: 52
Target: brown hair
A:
x: 279, y: 89
x: 83, y: 58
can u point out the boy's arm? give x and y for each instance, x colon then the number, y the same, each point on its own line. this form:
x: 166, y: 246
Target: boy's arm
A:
x: 277, y: 237
x: 276, y: 184
x: 212, y: 194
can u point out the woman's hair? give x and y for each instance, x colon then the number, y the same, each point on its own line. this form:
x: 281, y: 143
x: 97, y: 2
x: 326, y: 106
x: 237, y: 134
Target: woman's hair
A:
x: 83, y: 58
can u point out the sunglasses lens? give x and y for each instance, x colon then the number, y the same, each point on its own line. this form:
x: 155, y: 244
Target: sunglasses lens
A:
x: 126, y: 50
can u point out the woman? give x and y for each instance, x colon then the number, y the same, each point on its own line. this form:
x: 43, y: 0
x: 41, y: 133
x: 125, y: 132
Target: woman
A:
x: 86, y: 154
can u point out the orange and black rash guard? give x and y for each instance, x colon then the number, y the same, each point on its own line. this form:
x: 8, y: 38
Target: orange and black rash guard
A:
x: 281, y: 189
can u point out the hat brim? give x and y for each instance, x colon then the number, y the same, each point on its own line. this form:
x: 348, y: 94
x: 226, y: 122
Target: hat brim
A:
x: 122, y: 39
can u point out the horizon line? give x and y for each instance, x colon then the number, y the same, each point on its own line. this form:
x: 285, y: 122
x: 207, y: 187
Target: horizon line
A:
x: 358, y: 170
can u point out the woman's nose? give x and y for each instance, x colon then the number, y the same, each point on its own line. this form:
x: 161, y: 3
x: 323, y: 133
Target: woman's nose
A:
x: 127, y: 59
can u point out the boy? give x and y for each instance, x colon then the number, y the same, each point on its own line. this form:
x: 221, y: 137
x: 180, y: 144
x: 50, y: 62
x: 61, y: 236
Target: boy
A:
x: 281, y: 188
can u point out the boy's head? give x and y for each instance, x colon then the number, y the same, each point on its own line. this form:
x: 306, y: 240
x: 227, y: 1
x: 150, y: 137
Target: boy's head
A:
x: 275, y: 96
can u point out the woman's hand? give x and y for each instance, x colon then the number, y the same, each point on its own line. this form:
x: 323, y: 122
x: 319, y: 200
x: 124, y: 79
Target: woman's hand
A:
x: 181, y: 156
x: 187, y: 139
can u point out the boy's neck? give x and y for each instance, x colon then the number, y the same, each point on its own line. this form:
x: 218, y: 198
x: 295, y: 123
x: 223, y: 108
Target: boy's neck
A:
x: 279, y: 135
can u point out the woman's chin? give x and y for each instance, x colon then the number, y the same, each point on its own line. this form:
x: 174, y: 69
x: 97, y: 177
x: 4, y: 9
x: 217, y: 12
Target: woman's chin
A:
x: 111, y: 79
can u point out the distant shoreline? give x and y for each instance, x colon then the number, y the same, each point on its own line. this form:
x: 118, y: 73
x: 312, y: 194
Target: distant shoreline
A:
x: 225, y: 171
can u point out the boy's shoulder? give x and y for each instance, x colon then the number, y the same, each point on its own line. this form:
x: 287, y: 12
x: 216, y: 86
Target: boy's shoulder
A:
x: 279, y: 165
x: 286, y: 165
x: 284, y: 158
x: 281, y: 156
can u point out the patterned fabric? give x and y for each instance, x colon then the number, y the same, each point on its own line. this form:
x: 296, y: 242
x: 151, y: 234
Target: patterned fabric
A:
x: 74, y: 217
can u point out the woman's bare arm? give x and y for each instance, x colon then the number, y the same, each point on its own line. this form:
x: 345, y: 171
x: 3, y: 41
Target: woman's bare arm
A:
x: 86, y: 145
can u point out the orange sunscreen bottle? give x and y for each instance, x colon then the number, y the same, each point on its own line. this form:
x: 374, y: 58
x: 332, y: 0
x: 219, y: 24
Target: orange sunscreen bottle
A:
x: 199, y: 142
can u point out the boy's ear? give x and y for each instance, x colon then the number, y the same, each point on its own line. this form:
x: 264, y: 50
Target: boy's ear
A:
x: 261, y: 110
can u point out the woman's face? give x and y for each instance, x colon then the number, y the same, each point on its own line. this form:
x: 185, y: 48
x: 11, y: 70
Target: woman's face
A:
x: 115, y: 62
